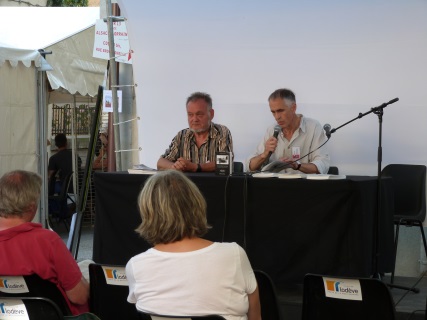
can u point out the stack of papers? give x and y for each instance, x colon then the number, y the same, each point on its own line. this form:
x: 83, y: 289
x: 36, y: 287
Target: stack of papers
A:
x: 326, y: 176
x: 142, y: 169
x: 264, y: 175
x: 291, y: 175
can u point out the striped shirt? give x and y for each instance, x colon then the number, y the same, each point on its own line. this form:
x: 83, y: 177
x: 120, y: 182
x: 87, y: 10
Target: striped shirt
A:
x: 184, y: 145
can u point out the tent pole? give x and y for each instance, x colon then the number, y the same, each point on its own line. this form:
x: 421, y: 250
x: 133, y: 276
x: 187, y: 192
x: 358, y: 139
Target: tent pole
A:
x: 42, y: 145
x: 113, y: 84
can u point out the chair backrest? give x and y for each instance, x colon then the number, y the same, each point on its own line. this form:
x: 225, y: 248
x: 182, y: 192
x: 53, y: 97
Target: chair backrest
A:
x: 335, y: 298
x: 33, y: 286
x: 268, y: 296
x: 333, y: 170
x: 33, y: 308
x: 409, y: 185
x: 109, y: 290
x: 148, y: 316
x: 66, y: 186
x: 237, y: 166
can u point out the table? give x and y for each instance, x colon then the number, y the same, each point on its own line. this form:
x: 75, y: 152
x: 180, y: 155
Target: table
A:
x: 288, y: 227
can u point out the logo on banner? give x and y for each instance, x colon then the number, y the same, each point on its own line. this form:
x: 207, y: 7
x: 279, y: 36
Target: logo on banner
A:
x: 348, y: 289
x: 13, y: 309
x: 115, y: 276
x: 13, y: 284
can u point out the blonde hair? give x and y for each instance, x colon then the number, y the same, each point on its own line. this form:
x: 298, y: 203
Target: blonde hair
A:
x: 171, y: 208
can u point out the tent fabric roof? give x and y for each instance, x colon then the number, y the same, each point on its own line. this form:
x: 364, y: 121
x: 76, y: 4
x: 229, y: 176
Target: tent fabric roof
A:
x: 67, y: 32
x: 74, y: 68
x: 14, y: 55
x: 36, y: 28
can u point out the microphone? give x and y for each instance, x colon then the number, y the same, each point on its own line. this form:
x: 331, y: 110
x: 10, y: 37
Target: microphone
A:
x: 327, y: 128
x: 385, y: 104
x: 393, y: 101
x: 277, y: 130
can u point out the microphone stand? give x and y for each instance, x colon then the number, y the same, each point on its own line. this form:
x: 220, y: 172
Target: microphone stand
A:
x: 379, y: 111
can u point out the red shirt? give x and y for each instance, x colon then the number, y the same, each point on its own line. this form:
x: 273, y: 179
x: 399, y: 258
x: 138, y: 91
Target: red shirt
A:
x: 28, y: 249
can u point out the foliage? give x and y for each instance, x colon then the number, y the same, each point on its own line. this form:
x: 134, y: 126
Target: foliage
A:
x: 67, y: 3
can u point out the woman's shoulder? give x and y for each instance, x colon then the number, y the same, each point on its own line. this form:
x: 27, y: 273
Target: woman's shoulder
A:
x: 229, y: 246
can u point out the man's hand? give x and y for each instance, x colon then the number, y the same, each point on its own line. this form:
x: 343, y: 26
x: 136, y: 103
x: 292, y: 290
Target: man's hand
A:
x: 184, y: 165
x: 270, y: 145
x: 292, y: 164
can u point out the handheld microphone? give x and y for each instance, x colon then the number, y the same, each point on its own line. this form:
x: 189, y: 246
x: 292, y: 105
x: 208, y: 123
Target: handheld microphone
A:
x: 276, y: 132
x: 327, y: 128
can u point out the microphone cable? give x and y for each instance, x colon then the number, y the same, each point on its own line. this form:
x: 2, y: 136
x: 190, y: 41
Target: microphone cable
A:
x: 225, y: 208
x: 245, y: 202
x: 410, y: 289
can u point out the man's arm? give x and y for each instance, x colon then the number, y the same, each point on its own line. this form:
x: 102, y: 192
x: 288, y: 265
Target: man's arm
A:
x: 50, y: 174
x: 303, y: 167
x: 256, y: 162
x: 187, y: 166
x: 164, y: 164
x: 320, y: 157
x: 80, y: 293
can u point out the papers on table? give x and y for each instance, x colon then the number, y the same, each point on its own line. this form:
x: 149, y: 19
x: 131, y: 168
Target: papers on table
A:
x: 142, y: 169
x: 291, y: 175
x: 276, y: 166
x: 299, y: 176
x: 326, y: 176
x: 265, y: 175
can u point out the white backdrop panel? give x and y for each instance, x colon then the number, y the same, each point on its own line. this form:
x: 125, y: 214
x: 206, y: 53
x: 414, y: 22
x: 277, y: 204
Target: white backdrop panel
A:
x: 340, y: 57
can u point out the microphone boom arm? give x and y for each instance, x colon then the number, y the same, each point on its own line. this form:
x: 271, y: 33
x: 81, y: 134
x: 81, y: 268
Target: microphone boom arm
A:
x: 377, y: 110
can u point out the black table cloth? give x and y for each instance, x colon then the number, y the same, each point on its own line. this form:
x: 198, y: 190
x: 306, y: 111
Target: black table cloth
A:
x: 288, y: 227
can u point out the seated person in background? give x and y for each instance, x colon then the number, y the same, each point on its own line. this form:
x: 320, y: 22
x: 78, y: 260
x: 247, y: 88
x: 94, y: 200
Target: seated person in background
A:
x: 299, y: 136
x: 193, y: 149
x: 26, y: 248
x: 61, y: 162
x: 101, y: 161
x: 184, y: 274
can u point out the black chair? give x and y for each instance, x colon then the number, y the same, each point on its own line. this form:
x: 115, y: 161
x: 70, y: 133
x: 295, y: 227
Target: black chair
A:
x: 37, y: 287
x: 237, y: 167
x: 332, y: 298
x: 61, y: 211
x: 36, y: 308
x: 109, y: 301
x: 268, y: 296
x: 333, y: 170
x: 148, y: 316
x: 409, y: 186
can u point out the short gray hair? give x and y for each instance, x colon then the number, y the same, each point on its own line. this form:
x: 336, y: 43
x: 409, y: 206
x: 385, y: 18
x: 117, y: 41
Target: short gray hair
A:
x: 200, y: 96
x: 284, y: 94
x: 19, y: 193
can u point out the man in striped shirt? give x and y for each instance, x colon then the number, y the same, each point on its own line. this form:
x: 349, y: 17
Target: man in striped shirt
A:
x: 193, y: 149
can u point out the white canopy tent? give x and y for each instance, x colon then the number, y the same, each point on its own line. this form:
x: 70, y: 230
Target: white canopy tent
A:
x: 69, y: 34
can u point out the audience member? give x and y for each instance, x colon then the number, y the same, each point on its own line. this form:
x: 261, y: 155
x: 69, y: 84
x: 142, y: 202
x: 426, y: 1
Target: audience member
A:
x: 298, y: 136
x: 61, y: 163
x: 184, y: 274
x: 26, y: 248
x: 101, y: 160
x: 193, y: 149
